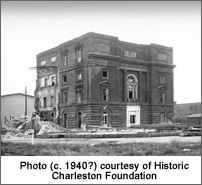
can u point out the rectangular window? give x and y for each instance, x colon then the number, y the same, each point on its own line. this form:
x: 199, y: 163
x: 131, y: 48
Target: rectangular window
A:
x: 64, y: 96
x: 46, y: 82
x: 78, y: 95
x: 53, y: 59
x: 64, y: 79
x: 78, y: 55
x: 128, y: 53
x: 105, y: 94
x: 161, y: 56
x: 104, y: 47
x: 79, y: 76
x: 53, y: 80
x: 52, y: 101
x: 44, y: 102
x: 162, y: 80
x: 43, y: 63
x: 42, y: 82
x: 130, y: 94
x: 105, y: 73
x: 162, y: 98
x: 65, y: 60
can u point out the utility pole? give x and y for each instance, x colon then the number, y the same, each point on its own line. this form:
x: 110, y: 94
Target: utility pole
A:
x: 25, y: 101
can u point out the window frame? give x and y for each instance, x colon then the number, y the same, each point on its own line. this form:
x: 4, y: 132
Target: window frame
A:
x: 64, y: 77
x: 45, y: 82
x: 105, y: 95
x: 53, y: 80
x: 104, y: 48
x: 79, y: 73
x: 64, y: 96
x: 44, y: 102
x: 52, y: 101
x: 65, y: 59
x: 79, y: 90
x: 162, y: 97
x: 105, y: 121
x: 44, y: 63
x: 53, y: 57
x: 78, y: 53
x: 107, y: 71
x: 162, y: 80
x: 133, y: 119
x: 162, y: 56
x: 130, y: 53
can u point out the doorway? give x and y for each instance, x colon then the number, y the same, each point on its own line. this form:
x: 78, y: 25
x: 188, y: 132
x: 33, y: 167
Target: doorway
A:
x: 132, y: 115
x: 65, y: 120
x: 79, y: 119
x: 105, y: 119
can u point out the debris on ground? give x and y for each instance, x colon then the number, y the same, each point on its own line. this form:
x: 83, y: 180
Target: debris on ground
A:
x: 19, y: 127
x: 48, y: 127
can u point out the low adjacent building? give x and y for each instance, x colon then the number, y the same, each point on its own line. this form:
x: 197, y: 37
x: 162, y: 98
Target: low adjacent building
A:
x: 194, y: 118
x: 181, y: 111
x: 13, y: 106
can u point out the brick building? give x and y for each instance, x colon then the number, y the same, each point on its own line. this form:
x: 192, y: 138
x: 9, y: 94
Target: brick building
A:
x: 99, y: 80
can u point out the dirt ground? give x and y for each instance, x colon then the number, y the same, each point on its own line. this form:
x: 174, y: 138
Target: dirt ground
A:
x: 93, y: 141
x: 104, y: 147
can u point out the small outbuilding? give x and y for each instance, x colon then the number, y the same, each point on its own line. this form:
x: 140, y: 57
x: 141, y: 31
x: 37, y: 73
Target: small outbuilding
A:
x: 194, y: 118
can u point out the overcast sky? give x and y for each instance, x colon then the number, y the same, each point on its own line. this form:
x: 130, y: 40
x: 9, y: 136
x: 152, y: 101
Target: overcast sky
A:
x: 28, y: 28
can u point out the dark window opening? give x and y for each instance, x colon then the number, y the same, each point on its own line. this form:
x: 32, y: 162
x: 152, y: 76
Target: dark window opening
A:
x: 132, y: 119
x: 130, y: 95
x: 65, y: 120
x: 44, y: 101
x: 64, y: 79
x: 105, y: 74
x: 105, y: 118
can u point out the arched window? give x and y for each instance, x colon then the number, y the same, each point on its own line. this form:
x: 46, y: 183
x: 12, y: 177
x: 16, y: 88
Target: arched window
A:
x: 132, y: 88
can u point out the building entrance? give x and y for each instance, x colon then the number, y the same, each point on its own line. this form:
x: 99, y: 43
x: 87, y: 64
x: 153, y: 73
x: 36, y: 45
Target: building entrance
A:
x: 132, y: 115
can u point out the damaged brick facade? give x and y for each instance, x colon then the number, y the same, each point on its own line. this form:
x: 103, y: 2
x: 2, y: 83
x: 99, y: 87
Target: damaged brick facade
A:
x: 99, y: 80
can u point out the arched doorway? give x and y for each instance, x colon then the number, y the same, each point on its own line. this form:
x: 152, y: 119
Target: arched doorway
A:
x: 79, y: 119
x: 105, y: 118
x: 163, y: 117
x: 64, y: 120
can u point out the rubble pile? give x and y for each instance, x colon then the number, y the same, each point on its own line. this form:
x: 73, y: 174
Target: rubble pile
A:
x: 18, y: 128
x: 49, y: 127
x: 11, y: 133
